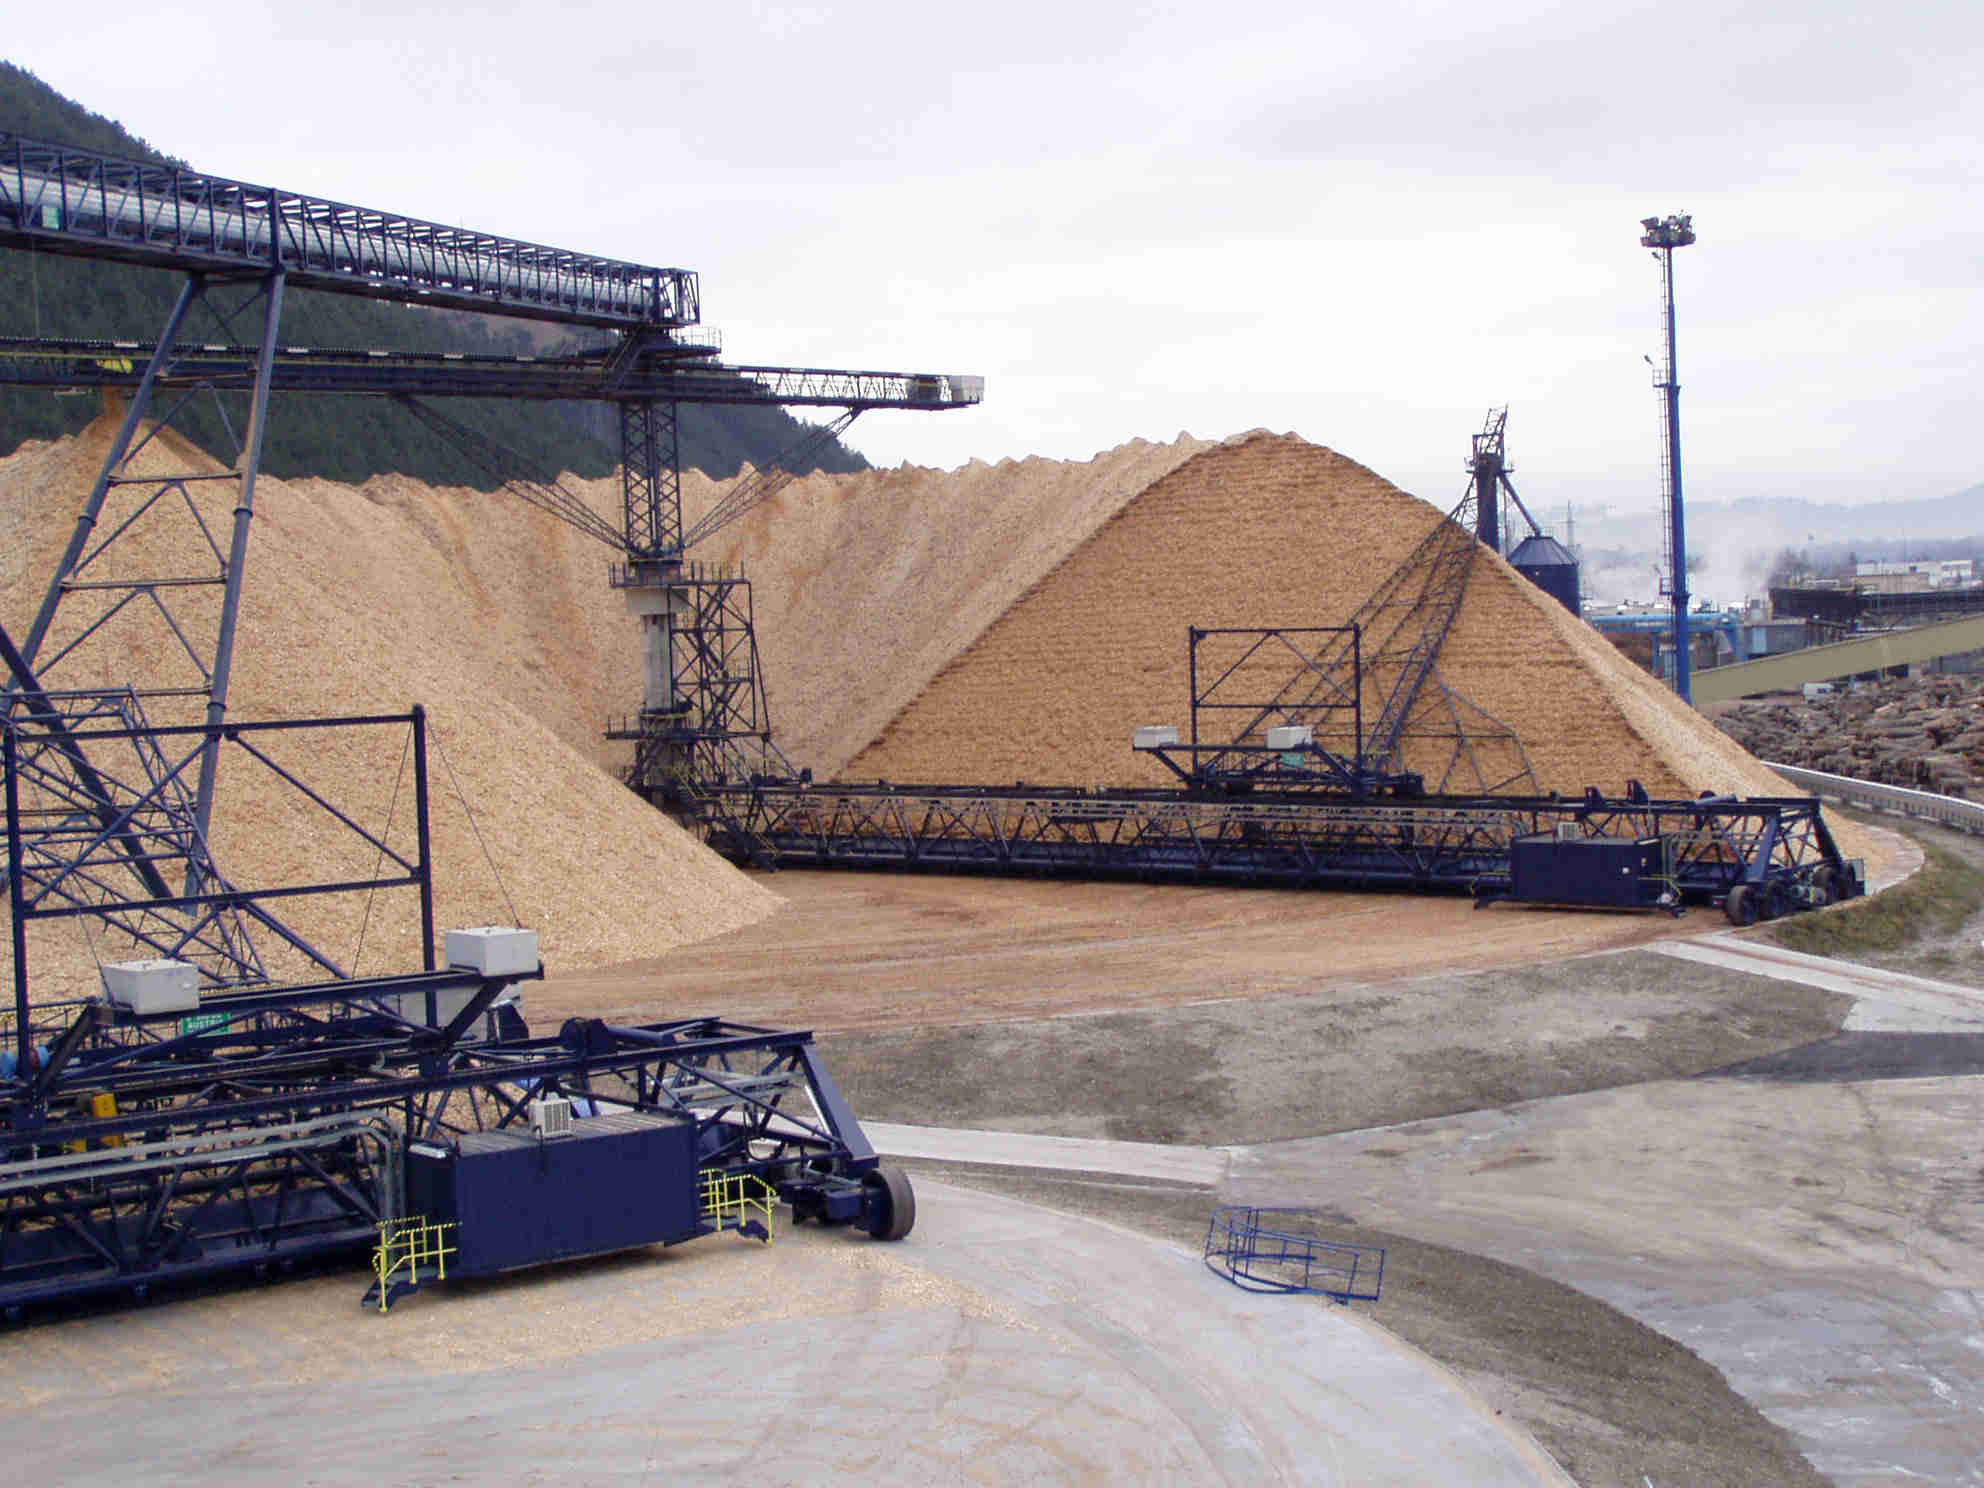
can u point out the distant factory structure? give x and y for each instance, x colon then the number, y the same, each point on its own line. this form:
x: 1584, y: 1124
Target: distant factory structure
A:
x: 1915, y: 577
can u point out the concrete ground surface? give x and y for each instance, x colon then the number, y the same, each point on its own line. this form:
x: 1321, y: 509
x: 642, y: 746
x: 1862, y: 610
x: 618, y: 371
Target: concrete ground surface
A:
x: 999, y: 1343
x: 1809, y: 1223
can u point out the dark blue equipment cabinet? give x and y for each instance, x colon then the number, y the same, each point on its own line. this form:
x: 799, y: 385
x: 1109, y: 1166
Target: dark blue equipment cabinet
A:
x: 1601, y: 872
x: 611, y: 1183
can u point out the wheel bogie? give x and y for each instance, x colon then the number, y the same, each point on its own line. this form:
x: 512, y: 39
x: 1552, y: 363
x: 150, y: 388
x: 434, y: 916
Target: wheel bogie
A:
x: 1777, y: 899
x: 1740, y: 907
x: 889, y: 1212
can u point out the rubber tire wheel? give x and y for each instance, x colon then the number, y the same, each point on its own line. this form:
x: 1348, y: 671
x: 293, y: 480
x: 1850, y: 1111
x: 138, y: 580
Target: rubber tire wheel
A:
x: 1825, y: 884
x: 898, y: 1210
x: 1777, y: 900
x: 1741, y: 905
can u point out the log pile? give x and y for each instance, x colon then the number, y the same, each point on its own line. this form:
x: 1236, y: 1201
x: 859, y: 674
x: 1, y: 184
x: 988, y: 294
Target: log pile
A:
x: 1923, y: 733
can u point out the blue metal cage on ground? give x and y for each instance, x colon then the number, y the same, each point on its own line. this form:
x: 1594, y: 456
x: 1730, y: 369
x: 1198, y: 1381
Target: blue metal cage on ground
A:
x: 1279, y: 1250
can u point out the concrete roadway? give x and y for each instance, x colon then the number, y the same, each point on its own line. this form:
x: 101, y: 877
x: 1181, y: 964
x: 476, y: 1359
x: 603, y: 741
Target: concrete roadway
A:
x: 999, y: 1343
x: 1818, y: 1238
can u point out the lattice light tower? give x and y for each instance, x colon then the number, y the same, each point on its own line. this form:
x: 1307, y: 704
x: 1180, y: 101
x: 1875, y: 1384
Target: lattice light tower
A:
x: 1663, y: 235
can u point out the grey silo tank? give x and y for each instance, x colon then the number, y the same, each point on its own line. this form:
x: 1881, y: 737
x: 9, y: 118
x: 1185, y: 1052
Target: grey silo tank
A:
x: 1548, y: 564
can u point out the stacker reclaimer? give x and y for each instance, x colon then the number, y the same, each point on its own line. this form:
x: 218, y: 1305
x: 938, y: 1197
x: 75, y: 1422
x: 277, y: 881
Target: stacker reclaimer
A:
x: 203, y: 1115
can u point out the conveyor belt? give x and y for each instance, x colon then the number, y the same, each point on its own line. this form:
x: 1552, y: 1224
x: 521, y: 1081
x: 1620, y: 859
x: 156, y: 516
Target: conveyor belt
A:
x: 59, y: 199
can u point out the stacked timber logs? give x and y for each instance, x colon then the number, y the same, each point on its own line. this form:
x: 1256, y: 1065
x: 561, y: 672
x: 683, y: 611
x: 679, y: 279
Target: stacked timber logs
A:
x: 1925, y: 733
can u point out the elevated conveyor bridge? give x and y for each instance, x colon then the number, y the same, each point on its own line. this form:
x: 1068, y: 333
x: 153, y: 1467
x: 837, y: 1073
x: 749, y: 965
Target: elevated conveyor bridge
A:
x: 239, y: 248
x: 82, y: 203
x: 690, y: 377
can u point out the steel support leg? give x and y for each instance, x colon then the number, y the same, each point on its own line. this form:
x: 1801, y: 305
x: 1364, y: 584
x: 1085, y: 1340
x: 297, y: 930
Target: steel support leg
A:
x: 246, y: 469
x: 651, y: 479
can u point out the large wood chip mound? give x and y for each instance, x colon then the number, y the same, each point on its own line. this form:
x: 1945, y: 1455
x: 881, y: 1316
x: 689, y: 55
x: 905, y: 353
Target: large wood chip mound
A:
x: 1017, y: 622
x: 866, y: 586
x: 991, y: 623
x: 494, y: 616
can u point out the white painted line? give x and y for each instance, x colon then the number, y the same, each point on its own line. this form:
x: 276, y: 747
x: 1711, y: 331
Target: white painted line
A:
x: 1200, y: 1166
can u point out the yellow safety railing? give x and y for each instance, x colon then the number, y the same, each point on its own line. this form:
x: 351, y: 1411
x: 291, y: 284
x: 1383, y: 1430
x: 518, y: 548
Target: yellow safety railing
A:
x: 729, y: 1198
x: 407, y: 1245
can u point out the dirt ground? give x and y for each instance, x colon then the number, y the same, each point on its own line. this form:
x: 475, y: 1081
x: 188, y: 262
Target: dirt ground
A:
x: 1219, y: 1017
x: 874, y: 952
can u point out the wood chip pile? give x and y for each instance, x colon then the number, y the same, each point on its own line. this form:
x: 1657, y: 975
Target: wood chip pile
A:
x: 495, y: 616
x: 992, y: 623
x: 1032, y: 615
x: 867, y: 585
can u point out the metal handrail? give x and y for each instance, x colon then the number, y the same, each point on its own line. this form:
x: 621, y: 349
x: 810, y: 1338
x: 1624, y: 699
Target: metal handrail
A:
x: 729, y: 1198
x: 406, y: 1245
x: 1950, y: 811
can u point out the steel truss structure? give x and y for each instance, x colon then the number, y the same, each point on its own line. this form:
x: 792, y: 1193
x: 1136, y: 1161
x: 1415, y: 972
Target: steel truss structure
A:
x: 671, y: 371
x: 1488, y: 469
x: 1318, y: 694
x: 1778, y: 849
x: 57, y: 199
x: 1378, y: 717
x: 98, y: 843
x: 715, y: 730
x: 271, y: 1127
x: 270, y: 1124
x: 239, y: 246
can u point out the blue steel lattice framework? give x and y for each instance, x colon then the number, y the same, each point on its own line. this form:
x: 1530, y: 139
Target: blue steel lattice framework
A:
x: 1383, y: 719
x: 56, y: 199
x: 95, y: 602
x: 1757, y: 857
x: 277, y: 1121
x: 702, y: 706
x: 139, y: 1150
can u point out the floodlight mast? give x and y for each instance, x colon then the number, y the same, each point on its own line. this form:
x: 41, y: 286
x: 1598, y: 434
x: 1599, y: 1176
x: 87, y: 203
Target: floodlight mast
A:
x: 1663, y: 236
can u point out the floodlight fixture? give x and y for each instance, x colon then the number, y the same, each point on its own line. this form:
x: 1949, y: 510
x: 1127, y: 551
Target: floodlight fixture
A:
x: 1673, y: 231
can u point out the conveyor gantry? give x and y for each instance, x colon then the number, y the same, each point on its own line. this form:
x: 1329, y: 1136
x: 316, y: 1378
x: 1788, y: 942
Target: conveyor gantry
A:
x: 590, y: 375
x: 240, y: 248
x: 59, y: 199
x: 1777, y: 851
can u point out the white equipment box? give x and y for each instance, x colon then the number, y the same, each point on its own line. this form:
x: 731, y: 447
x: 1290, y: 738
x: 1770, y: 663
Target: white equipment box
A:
x: 493, y: 950
x: 153, y: 986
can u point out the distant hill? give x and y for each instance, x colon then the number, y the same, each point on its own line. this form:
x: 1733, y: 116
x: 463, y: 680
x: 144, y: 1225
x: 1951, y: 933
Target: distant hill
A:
x: 339, y: 438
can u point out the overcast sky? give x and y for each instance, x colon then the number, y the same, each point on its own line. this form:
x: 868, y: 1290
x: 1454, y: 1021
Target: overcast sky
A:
x: 1137, y: 220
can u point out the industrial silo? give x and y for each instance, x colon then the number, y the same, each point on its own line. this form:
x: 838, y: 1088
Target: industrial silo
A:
x: 1550, y: 566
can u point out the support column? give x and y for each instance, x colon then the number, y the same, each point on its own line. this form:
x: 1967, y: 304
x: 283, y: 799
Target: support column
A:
x: 1677, y: 534
x: 246, y: 468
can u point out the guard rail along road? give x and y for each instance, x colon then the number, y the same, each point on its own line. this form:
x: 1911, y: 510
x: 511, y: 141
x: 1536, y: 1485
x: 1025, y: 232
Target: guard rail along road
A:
x: 1950, y: 811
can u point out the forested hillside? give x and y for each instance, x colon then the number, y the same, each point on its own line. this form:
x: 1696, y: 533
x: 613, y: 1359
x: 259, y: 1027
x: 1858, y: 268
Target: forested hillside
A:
x: 340, y: 438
